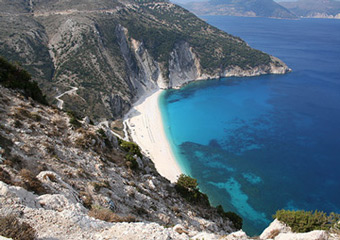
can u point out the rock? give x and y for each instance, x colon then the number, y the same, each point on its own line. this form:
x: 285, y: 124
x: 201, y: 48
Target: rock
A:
x: 3, y: 238
x: 58, y: 202
x: 18, y: 195
x: 239, y: 235
x: 111, y: 137
x: 206, y: 236
x: 274, y: 229
x: 54, y: 182
x: 180, y: 229
x: 314, y: 235
x: 86, y: 120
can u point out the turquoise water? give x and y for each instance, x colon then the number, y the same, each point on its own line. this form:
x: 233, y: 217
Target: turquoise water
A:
x: 264, y: 143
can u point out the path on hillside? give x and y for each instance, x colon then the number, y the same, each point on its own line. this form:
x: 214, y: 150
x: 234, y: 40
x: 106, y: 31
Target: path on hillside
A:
x: 61, y: 102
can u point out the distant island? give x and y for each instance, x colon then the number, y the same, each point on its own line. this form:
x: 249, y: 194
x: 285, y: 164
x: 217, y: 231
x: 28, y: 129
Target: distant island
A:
x: 246, y: 8
x: 314, y: 8
x: 265, y: 8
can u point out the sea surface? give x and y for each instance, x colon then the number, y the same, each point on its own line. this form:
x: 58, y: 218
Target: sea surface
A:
x: 265, y: 143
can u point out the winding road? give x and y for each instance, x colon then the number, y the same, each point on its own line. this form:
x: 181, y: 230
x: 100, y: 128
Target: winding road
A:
x: 61, y: 102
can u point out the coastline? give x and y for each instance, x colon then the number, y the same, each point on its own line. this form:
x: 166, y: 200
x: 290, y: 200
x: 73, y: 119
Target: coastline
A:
x: 146, y: 128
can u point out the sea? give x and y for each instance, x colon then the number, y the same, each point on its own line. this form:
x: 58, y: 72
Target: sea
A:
x: 259, y: 144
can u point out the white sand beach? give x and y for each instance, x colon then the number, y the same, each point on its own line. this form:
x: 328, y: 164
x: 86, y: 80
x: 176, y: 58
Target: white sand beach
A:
x: 146, y: 129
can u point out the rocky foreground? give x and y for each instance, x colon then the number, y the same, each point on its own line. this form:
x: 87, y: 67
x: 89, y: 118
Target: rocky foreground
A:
x: 71, y: 180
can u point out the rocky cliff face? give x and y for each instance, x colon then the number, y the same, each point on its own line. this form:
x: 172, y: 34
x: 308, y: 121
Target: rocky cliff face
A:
x: 115, y: 51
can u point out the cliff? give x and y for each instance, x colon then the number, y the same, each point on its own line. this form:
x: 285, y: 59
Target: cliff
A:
x: 115, y: 51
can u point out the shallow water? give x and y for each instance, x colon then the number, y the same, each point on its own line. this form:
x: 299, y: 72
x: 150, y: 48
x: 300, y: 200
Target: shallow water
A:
x: 264, y: 143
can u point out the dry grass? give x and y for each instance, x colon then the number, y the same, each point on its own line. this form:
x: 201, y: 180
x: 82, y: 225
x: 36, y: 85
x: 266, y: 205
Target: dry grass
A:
x: 5, y: 177
x: 274, y: 233
x: 86, y: 199
x: 11, y: 227
x: 30, y: 182
x: 107, y: 215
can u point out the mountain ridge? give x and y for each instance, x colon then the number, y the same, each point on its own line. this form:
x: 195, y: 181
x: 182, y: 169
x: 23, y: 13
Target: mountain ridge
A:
x: 314, y: 8
x: 116, y: 51
x: 247, y: 8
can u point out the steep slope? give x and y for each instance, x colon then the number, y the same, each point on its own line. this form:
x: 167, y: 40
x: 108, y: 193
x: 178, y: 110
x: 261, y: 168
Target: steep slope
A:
x: 115, y: 51
x: 314, y: 8
x: 248, y: 8
x: 73, y: 171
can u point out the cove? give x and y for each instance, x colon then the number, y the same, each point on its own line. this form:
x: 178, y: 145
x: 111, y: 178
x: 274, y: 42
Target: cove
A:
x: 264, y: 143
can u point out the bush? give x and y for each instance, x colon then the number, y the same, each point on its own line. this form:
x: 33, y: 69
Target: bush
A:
x: 31, y: 183
x: 17, y: 78
x: 306, y: 221
x: 236, y: 219
x: 10, y: 227
x: 73, y: 119
x: 107, y: 215
x: 130, y: 147
x: 131, y: 162
x: 187, y: 187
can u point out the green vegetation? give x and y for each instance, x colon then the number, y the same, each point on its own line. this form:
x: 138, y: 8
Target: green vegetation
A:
x: 236, y: 219
x: 73, y: 119
x: 187, y: 187
x: 306, y: 221
x: 132, y: 149
x: 10, y: 227
x: 12, y: 76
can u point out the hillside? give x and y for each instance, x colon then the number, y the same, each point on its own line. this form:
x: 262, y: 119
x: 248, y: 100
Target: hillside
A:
x: 57, y: 171
x: 247, y: 8
x: 314, y: 8
x: 112, y: 52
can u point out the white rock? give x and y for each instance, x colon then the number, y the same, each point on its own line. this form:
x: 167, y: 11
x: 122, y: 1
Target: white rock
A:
x: 3, y: 238
x: 206, y: 236
x: 58, y: 202
x: 314, y: 235
x: 19, y: 194
x: 239, y: 235
x: 275, y: 226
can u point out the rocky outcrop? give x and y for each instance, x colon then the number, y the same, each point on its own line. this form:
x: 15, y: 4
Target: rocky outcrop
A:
x: 280, y: 231
x: 183, y: 65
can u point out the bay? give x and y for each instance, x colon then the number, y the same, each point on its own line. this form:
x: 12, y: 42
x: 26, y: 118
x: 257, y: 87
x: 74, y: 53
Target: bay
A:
x: 264, y: 143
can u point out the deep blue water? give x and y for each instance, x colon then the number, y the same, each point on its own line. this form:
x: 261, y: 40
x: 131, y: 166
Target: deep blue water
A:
x: 265, y: 143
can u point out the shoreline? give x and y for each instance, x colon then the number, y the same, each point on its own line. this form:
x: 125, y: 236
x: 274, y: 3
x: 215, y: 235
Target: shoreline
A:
x: 146, y: 126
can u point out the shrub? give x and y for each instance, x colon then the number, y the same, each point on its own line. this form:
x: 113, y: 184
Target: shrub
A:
x: 306, y: 221
x: 130, y: 147
x: 10, y: 227
x: 107, y: 215
x: 73, y: 119
x: 86, y: 199
x: 187, y: 187
x: 233, y: 217
x: 17, y: 78
x: 131, y: 162
x: 5, y: 177
x: 31, y: 183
